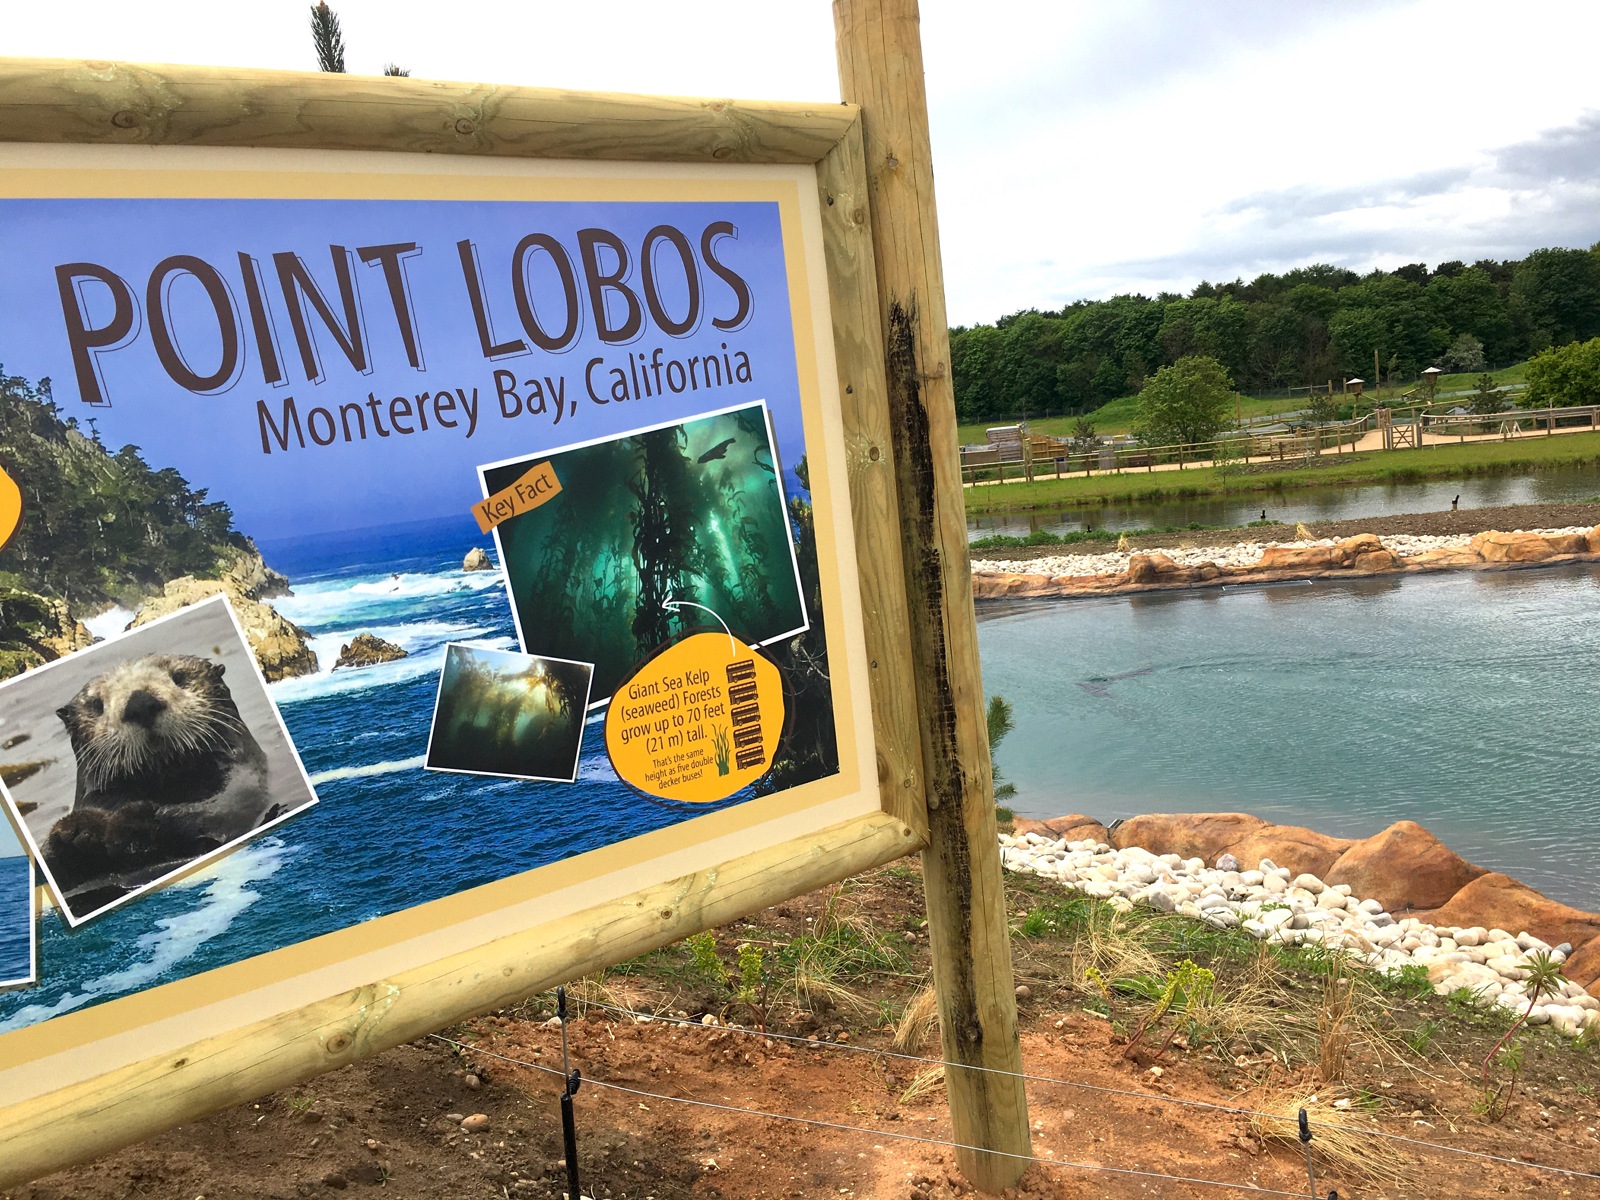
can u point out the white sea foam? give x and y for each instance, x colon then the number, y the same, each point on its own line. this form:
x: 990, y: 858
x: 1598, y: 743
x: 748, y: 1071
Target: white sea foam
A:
x: 114, y: 620
x: 598, y: 770
x: 228, y: 892
x: 332, y: 599
x: 368, y: 771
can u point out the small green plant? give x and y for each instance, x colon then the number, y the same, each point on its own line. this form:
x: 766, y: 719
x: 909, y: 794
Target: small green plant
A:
x: 1544, y: 979
x: 1098, y: 980
x: 1420, y: 1038
x: 752, y: 986
x: 703, y: 957
x: 1188, y: 989
x: 1495, y: 1100
x: 1474, y: 1007
x: 1410, y: 980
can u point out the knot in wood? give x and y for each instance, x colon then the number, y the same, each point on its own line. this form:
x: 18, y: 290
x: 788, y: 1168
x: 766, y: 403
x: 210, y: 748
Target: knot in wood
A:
x: 125, y: 119
x: 464, y: 126
x: 722, y: 153
x: 339, y: 1043
x: 874, y: 454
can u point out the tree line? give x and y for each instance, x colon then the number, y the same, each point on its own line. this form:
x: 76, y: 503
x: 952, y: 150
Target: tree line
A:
x: 99, y: 526
x: 1300, y: 328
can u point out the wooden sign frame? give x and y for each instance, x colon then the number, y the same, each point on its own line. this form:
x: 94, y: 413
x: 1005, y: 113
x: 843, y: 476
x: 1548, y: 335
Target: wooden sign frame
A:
x: 65, y: 1102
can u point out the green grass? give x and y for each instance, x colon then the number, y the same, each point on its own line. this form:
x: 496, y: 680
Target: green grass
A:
x: 1515, y: 375
x: 1043, y: 537
x: 1395, y: 466
x: 1117, y: 416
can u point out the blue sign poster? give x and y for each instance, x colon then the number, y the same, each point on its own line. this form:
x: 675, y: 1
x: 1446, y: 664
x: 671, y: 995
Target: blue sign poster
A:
x: 375, y: 495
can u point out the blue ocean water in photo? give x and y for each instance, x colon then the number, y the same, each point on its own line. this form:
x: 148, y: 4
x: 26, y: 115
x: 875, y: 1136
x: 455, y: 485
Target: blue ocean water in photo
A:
x: 15, y: 914
x: 386, y: 834
x: 1464, y: 701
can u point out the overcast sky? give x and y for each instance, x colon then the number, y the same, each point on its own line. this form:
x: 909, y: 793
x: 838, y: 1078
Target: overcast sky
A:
x: 1082, y: 147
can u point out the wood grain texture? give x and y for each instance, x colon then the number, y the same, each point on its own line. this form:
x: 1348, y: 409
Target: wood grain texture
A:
x: 880, y: 68
x: 874, y: 500
x: 77, y: 1123
x: 61, y: 100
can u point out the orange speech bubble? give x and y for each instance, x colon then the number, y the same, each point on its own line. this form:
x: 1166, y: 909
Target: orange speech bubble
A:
x: 697, y: 722
x: 10, y: 507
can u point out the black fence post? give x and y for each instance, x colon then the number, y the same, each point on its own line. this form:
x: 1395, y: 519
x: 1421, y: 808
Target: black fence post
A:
x: 569, y: 1124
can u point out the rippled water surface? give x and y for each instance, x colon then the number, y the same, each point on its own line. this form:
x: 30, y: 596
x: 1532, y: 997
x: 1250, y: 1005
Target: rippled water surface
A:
x: 1310, y: 505
x: 1466, y: 702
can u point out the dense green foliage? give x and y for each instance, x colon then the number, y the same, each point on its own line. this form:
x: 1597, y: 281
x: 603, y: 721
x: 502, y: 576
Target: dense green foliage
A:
x: 1298, y: 329
x: 1188, y: 402
x: 1566, y: 375
x: 98, y: 526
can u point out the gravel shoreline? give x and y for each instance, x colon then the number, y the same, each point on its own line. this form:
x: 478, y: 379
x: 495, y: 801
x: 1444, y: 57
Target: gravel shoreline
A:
x: 1237, y: 554
x: 1464, y: 522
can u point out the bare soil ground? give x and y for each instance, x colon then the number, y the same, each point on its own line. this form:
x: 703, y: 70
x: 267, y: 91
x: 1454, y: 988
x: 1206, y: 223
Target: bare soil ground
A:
x: 1432, y: 524
x: 838, y: 970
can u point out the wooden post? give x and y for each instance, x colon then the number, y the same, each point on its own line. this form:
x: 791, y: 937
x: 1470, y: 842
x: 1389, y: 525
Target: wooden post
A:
x: 880, y: 68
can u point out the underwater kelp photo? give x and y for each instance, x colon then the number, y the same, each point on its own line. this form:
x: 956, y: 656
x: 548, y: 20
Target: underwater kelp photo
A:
x: 689, y: 512
x: 501, y: 713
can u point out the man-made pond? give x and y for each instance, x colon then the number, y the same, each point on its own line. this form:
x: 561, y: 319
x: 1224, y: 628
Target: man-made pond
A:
x: 1310, y: 505
x: 1465, y: 702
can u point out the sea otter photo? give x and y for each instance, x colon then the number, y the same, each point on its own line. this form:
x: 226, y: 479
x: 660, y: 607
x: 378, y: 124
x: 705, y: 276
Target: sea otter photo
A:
x: 175, y: 752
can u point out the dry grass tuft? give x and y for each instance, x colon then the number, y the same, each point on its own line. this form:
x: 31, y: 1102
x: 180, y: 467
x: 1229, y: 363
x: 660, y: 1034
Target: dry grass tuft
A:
x: 595, y: 989
x: 925, y: 1084
x: 1335, y: 1021
x: 918, y: 1022
x: 1340, y: 1139
x: 1111, y: 944
x: 842, y: 942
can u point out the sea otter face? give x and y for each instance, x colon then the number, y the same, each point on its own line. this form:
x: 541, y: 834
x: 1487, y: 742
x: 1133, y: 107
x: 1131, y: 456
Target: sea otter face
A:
x: 146, y: 713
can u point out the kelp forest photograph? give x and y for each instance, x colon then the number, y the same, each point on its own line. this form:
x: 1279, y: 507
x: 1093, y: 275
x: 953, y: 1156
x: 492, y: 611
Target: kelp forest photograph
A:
x: 691, y: 513
x: 502, y: 713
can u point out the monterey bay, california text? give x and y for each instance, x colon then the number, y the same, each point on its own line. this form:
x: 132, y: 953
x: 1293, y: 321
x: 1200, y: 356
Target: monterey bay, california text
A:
x: 205, y: 321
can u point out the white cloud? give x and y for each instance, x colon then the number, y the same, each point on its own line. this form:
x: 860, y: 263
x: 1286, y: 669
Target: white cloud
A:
x: 1080, y: 147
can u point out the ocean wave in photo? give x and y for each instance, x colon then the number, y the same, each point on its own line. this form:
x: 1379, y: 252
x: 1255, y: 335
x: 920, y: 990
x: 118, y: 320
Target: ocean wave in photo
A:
x: 200, y: 909
x: 375, y: 595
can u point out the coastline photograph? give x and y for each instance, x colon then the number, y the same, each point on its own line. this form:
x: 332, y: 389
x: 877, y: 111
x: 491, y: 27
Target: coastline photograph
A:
x: 163, y: 750
x: 690, y: 512
x: 513, y: 715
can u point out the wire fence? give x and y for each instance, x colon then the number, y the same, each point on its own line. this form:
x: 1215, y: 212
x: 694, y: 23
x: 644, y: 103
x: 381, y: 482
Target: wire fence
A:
x: 839, y: 1127
x: 1039, y: 456
x: 1308, y: 1124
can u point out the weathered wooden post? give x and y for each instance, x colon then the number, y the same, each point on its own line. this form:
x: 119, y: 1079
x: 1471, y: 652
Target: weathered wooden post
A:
x: 880, y: 68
